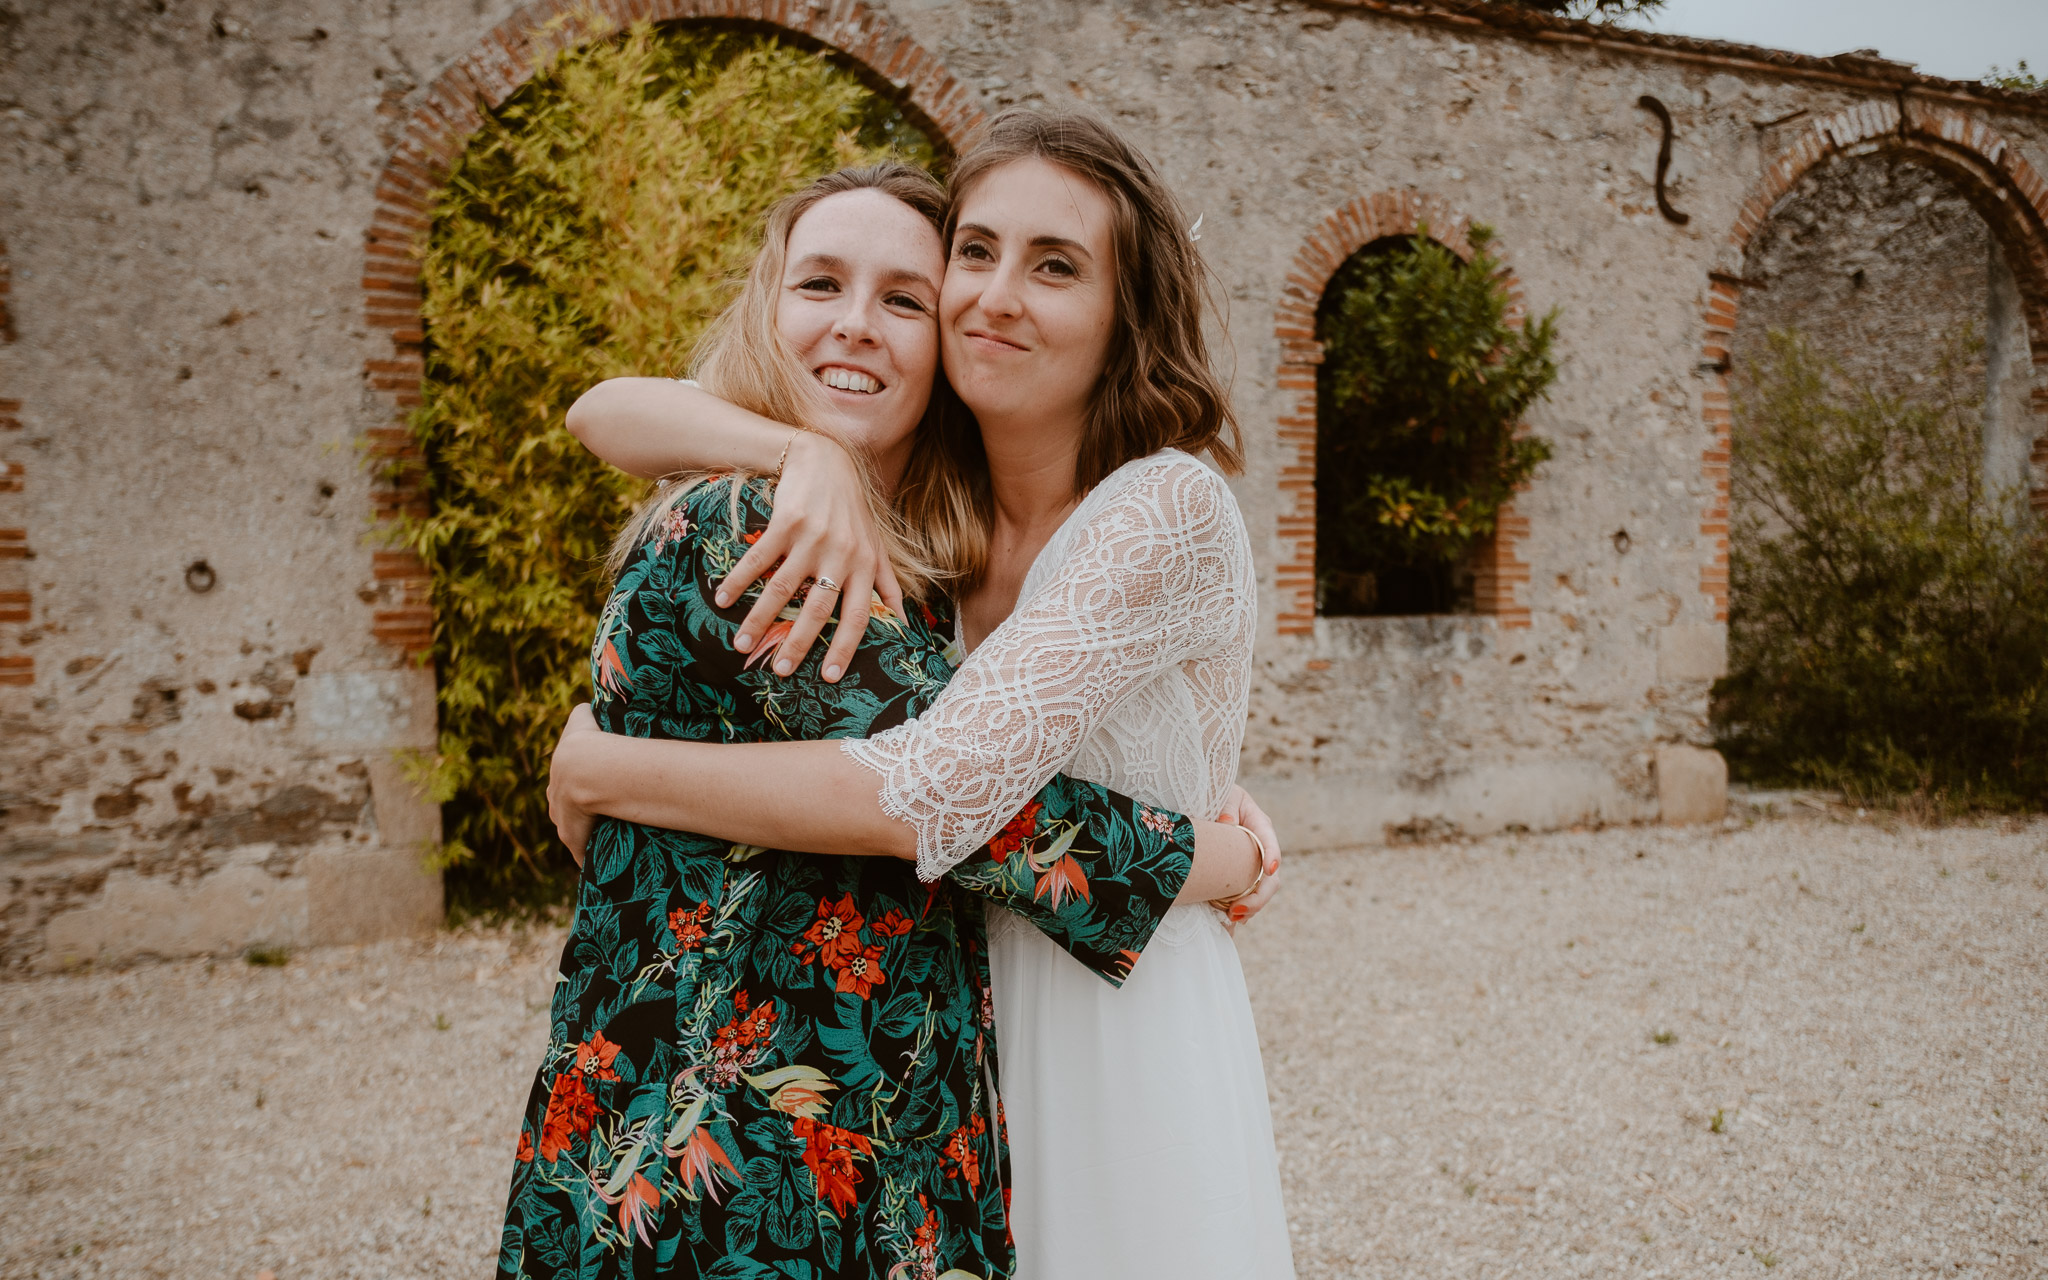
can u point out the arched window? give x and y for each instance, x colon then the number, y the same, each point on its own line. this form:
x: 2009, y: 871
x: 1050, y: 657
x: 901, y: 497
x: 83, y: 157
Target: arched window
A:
x: 1426, y: 373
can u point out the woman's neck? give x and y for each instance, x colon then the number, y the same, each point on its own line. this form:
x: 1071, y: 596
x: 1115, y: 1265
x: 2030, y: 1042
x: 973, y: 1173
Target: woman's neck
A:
x: 888, y: 467
x: 1031, y: 467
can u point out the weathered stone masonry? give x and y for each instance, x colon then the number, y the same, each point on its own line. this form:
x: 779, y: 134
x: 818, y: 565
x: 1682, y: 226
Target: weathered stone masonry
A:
x: 215, y: 316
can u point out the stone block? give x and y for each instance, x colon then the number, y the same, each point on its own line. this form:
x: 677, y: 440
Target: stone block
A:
x: 225, y: 911
x: 1692, y: 785
x: 1696, y: 652
x: 350, y: 708
x: 406, y: 819
x: 369, y: 892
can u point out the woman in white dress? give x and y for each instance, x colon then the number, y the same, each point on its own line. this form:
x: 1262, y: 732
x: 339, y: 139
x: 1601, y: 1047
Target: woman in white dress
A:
x: 1107, y: 610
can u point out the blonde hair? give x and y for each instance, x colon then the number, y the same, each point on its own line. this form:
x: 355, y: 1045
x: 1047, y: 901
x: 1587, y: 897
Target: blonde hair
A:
x: 743, y: 360
x: 1157, y: 390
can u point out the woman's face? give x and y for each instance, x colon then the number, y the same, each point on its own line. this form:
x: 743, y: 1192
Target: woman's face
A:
x: 1029, y: 300
x: 859, y: 306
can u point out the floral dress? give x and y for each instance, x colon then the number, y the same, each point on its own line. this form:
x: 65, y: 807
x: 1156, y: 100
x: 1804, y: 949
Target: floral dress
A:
x: 771, y: 1064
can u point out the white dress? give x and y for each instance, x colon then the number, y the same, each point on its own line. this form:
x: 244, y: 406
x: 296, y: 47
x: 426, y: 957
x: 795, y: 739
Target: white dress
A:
x: 1141, y: 1143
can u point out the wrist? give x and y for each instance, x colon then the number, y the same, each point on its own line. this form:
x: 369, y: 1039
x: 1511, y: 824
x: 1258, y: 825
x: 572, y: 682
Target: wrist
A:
x: 578, y: 775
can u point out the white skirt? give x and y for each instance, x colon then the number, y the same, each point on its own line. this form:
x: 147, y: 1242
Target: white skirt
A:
x: 1141, y: 1142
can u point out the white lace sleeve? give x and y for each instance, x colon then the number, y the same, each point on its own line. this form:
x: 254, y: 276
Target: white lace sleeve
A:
x: 1153, y: 577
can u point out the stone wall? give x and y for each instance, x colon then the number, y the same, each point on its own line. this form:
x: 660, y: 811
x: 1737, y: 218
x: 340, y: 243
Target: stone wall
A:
x: 200, y: 355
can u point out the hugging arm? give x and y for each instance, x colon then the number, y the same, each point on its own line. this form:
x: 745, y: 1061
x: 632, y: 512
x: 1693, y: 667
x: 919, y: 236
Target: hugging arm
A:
x: 1093, y: 870
x: 812, y: 797
x: 652, y: 427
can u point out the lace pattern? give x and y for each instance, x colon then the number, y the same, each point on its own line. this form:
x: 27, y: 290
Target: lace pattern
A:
x: 1128, y: 662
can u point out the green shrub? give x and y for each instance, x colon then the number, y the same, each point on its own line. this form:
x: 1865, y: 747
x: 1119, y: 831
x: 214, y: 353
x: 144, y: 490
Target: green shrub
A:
x: 1423, y: 386
x: 591, y: 227
x: 1888, y: 619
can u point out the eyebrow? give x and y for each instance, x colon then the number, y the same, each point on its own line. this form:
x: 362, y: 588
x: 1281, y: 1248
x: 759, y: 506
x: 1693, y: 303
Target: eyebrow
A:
x: 831, y: 262
x: 1039, y: 242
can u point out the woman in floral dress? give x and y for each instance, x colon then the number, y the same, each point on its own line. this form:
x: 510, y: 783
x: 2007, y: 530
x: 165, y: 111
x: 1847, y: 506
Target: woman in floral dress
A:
x: 773, y: 1064
x: 1108, y: 614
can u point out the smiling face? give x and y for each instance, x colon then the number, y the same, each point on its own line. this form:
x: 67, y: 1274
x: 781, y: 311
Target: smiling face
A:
x: 1029, y: 301
x: 858, y: 304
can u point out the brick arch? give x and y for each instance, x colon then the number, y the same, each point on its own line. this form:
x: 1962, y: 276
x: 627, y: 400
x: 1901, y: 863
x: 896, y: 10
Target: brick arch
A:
x: 439, y: 123
x: 2007, y: 192
x: 1391, y: 213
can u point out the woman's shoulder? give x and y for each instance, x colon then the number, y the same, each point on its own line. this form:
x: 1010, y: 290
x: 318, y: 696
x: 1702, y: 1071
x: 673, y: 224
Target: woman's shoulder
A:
x: 1178, y: 487
x: 713, y: 510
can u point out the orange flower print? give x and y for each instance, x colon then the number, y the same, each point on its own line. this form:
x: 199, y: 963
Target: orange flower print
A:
x: 1061, y: 879
x: 963, y: 1153
x: 1154, y: 820
x: 698, y: 1158
x: 835, y: 934
x: 636, y: 1208
x: 611, y: 671
x: 770, y: 640
x: 1016, y: 833
x: 594, y: 1058
x: 828, y: 1153
x: 862, y: 973
x: 688, y: 925
x: 571, y: 1112
x: 1122, y: 965
x: 924, y: 1241
x: 525, y: 1147
x: 893, y: 925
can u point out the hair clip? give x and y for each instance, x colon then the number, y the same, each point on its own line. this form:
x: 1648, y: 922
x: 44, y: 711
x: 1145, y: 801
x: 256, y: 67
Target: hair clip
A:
x: 1195, y: 232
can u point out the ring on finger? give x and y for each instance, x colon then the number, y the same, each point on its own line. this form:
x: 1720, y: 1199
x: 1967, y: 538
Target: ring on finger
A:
x: 827, y: 583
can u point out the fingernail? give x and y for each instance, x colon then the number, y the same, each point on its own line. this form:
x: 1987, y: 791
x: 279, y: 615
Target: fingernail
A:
x: 832, y: 672
x: 723, y: 599
x: 782, y: 667
x: 743, y: 642
x: 1237, y: 913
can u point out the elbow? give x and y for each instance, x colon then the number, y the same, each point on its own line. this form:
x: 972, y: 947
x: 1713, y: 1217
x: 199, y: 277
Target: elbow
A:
x: 582, y: 415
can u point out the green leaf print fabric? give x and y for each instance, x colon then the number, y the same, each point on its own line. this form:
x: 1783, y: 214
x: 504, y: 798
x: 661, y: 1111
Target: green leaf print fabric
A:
x: 772, y: 1064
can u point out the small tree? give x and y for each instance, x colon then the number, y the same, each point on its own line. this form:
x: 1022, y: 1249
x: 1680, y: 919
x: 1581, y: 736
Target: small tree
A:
x: 592, y: 226
x: 1888, y: 617
x: 1420, y: 396
x: 2019, y: 79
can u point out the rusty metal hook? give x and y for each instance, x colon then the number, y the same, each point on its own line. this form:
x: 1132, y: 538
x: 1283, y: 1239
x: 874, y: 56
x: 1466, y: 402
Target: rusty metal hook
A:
x: 1657, y: 109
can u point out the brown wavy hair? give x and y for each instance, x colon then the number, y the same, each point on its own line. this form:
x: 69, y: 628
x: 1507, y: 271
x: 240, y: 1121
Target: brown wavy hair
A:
x: 1158, y: 390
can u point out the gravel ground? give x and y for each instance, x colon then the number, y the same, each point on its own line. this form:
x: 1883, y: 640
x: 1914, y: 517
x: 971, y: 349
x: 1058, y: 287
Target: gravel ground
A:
x: 1806, y: 1047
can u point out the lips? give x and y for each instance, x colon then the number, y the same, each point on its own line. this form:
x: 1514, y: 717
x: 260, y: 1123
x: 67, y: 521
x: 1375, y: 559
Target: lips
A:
x: 843, y: 379
x: 994, y: 339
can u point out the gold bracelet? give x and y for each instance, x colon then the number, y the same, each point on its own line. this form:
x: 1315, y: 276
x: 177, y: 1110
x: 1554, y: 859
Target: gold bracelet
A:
x: 1225, y: 904
x: 782, y: 459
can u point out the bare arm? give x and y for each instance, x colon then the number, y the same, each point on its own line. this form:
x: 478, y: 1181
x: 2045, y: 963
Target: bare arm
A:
x: 803, y: 796
x: 652, y: 427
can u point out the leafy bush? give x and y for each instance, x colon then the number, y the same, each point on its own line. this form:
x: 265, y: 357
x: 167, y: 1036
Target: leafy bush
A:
x: 2020, y: 79
x: 1422, y: 389
x: 1888, y: 620
x: 592, y: 226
